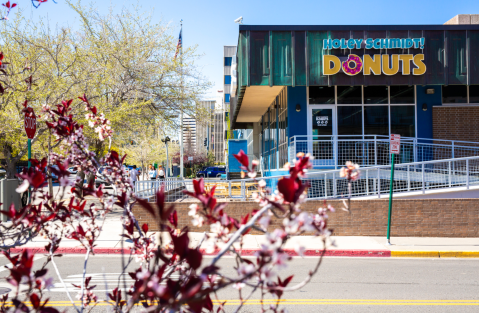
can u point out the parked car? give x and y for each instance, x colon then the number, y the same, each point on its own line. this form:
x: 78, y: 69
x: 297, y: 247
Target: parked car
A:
x: 3, y: 173
x: 100, y: 179
x: 73, y: 170
x: 212, y: 171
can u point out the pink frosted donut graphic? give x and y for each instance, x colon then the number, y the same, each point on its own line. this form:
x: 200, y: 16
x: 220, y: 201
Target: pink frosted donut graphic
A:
x: 353, y: 65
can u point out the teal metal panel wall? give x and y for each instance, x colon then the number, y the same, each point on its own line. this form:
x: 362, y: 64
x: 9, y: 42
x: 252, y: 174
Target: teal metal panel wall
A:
x: 260, y: 62
x: 282, y: 59
x: 456, y: 57
x: 434, y: 55
x: 300, y: 58
x: 315, y: 58
x: 473, y: 57
x: 294, y: 58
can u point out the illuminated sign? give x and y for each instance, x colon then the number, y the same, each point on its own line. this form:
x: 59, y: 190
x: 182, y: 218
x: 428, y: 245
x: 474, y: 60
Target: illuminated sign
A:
x: 376, y: 64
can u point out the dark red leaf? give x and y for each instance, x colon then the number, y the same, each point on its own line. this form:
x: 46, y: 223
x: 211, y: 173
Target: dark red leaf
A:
x: 35, y: 300
x: 194, y: 258
x: 173, y: 219
x: 144, y: 227
x: 288, y: 188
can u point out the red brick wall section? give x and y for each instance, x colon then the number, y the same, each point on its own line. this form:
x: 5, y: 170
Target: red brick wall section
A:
x: 410, y: 218
x: 456, y: 123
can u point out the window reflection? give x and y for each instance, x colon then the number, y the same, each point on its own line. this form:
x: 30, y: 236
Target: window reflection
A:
x: 454, y: 94
x: 402, y: 94
x: 349, y: 95
x: 376, y: 120
x: 403, y: 120
x: 376, y: 95
x: 350, y: 120
x: 321, y: 95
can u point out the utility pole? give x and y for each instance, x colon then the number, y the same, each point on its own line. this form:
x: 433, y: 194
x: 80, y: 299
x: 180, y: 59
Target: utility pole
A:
x: 182, y: 92
x: 166, y: 140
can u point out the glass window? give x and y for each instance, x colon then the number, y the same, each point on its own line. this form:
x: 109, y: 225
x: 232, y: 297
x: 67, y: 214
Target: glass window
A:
x: 403, y: 120
x: 321, y: 95
x: 227, y: 79
x: 375, y: 94
x: 349, y: 95
x: 454, y: 94
x: 350, y: 120
x: 227, y: 98
x: 474, y: 94
x: 228, y: 61
x: 376, y: 120
x: 402, y: 94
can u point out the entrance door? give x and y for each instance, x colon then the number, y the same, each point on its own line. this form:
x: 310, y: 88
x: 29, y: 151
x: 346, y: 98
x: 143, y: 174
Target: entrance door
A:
x: 322, y: 131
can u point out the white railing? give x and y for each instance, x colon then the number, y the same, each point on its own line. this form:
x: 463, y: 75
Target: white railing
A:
x: 332, y: 152
x: 424, y: 177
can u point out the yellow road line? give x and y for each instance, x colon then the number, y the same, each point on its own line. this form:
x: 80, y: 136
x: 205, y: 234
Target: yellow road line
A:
x: 435, y: 254
x: 408, y: 302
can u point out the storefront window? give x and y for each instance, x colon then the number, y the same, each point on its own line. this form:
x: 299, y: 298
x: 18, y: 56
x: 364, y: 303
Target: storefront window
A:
x: 402, y: 95
x: 350, y: 120
x: 321, y: 95
x: 474, y: 94
x: 454, y: 94
x: 376, y: 120
x: 403, y: 120
x: 349, y: 95
x: 376, y: 95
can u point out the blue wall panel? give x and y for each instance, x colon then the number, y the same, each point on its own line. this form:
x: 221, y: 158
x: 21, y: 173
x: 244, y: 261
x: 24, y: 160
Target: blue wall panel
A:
x: 297, y: 121
x: 234, y: 147
x: 424, y: 118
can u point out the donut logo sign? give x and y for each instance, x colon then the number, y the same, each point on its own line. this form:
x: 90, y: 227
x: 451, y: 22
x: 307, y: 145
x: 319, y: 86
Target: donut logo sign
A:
x: 375, y: 64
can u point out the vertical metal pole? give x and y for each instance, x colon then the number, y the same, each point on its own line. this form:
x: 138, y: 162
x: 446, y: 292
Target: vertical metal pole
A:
x: 408, y: 179
x: 334, y: 185
x: 181, y: 109
x: 379, y: 183
x: 391, y: 185
x: 325, y: 185
x: 375, y: 151
x: 450, y: 174
x: 423, y: 180
x: 467, y: 173
x: 29, y: 152
x: 452, y: 150
x: 167, y: 165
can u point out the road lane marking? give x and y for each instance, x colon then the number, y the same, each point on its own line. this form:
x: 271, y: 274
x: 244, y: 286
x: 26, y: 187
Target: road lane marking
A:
x: 9, y: 266
x: 383, y: 302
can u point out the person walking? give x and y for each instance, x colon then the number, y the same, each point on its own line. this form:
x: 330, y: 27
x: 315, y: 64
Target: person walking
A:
x: 161, y: 173
x: 134, y: 175
x: 152, y: 175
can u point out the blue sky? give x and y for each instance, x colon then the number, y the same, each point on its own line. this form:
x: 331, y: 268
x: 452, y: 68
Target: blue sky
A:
x: 210, y: 23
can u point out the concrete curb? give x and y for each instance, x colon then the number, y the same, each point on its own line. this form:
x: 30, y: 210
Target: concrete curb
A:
x: 309, y: 252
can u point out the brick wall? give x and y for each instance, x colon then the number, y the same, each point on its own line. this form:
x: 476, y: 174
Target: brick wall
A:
x: 456, y: 123
x: 420, y: 218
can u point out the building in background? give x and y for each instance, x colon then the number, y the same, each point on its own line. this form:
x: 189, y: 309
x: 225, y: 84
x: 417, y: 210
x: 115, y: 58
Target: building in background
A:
x: 204, y: 126
x: 218, y: 139
x: 189, y: 134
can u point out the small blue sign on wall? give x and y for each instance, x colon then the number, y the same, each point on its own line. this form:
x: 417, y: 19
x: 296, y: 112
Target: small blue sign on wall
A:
x: 234, y: 147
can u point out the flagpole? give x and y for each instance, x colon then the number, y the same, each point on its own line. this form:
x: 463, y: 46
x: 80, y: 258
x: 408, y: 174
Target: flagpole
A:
x: 181, y: 101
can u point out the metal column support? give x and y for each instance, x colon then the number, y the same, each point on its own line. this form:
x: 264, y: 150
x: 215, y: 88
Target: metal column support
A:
x: 423, y: 179
x: 379, y: 183
x: 450, y: 173
x: 467, y: 173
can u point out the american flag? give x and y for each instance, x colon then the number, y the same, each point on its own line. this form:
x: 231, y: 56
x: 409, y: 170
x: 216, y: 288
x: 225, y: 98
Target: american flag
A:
x: 178, y: 46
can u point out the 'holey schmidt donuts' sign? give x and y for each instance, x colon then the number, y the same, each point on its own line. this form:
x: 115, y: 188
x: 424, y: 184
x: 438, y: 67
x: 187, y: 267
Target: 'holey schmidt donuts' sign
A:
x: 375, y: 64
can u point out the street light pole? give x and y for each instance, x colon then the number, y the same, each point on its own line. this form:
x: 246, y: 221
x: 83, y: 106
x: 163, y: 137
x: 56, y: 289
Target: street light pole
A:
x: 166, y: 143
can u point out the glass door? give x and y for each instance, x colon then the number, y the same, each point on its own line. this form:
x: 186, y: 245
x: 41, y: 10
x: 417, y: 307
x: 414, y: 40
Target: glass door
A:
x: 322, y: 129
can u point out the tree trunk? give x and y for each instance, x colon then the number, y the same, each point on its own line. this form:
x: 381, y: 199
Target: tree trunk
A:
x: 79, y: 185
x: 50, y: 182
x: 11, y: 162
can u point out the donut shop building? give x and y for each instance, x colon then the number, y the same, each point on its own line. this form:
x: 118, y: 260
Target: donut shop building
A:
x: 338, y: 92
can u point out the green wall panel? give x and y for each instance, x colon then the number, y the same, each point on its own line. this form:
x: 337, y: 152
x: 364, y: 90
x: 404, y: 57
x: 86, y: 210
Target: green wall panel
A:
x: 417, y: 79
x: 474, y: 56
x: 282, y: 59
x: 434, y: 54
x: 300, y: 58
x: 242, y: 60
x: 260, y: 63
x: 456, y: 57
x: 315, y: 58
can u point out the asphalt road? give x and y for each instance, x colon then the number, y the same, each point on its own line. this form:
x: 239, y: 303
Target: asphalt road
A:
x: 342, y: 284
